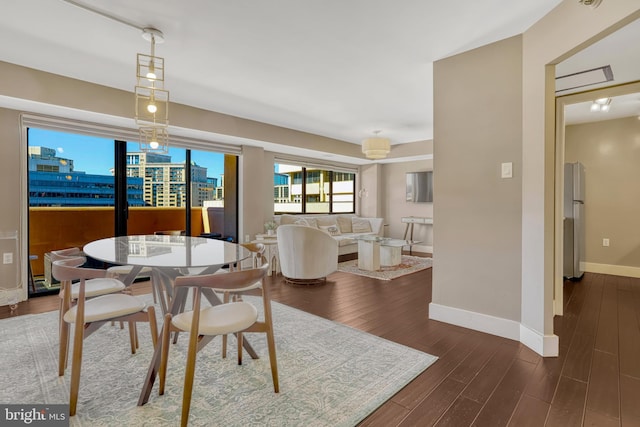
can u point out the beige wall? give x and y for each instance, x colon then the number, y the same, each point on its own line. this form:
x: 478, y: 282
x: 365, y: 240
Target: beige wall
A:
x: 396, y: 206
x: 368, y: 204
x: 567, y: 29
x: 10, y: 209
x: 477, y: 214
x: 610, y: 152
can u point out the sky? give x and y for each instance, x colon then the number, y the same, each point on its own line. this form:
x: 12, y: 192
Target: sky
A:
x: 94, y: 155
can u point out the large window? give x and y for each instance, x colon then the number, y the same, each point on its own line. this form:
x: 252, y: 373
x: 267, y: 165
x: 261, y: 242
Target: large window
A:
x: 82, y: 188
x: 324, y: 191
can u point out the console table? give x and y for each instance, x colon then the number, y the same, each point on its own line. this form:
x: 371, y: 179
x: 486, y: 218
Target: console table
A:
x: 410, y: 221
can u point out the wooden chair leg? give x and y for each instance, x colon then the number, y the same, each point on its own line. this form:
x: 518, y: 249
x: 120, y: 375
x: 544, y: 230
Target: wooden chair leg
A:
x: 271, y: 343
x: 239, y: 337
x: 188, y: 376
x: 224, y: 346
x: 65, y: 304
x: 164, y: 355
x: 76, y: 365
x: 63, y: 351
x: 135, y: 334
x: 153, y: 325
x: 132, y: 337
x: 224, y: 337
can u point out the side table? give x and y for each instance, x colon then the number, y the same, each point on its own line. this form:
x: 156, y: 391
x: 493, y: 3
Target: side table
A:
x: 270, y: 243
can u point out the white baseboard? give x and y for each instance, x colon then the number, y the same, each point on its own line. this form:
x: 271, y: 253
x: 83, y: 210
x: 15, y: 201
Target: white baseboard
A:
x: 615, y: 270
x: 545, y: 345
x: 477, y: 321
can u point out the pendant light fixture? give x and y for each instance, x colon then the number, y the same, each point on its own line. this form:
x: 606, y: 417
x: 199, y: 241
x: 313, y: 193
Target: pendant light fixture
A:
x: 376, y: 147
x: 152, y: 100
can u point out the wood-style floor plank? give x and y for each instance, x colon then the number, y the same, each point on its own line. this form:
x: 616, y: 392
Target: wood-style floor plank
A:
x: 503, y: 401
x: 567, y: 408
x: 602, y: 395
x: 481, y: 379
x: 629, y: 339
x: 483, y: 385
x: 605, y: 340
x: 531, y: 412
x: 461, y: 413
x: 630, y: 401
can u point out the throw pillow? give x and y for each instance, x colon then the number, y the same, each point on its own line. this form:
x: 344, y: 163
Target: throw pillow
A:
x: 344, y: 222
x: 308, y: 222
x: 332, y: 230
x: 312, y: 222
x: 326, y: 220
x: 288, y: 219
x: 359, y: 225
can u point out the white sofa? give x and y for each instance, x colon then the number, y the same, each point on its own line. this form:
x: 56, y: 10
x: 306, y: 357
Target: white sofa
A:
x: 347, y: 225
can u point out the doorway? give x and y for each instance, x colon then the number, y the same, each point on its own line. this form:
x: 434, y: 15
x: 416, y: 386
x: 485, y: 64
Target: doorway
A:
x: 604, y: 164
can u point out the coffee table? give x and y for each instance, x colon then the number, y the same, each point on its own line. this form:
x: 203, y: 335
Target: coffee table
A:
x: 375, y: 251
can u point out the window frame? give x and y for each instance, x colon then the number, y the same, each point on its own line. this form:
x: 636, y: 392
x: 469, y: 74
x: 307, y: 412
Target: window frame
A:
x: 320, y: 170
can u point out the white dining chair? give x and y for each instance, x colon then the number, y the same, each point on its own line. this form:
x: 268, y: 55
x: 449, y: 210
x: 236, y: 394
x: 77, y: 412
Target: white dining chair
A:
x: 90, y: 314
x: 93, y: 288
x: 205, y: 323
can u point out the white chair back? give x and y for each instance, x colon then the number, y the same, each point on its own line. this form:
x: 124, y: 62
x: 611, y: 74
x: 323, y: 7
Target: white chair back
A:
x: 306, y: 253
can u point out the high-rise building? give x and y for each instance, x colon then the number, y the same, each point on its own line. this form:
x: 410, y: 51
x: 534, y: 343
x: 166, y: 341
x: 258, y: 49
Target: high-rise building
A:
x: 165, y: 182
x: 54, y: 182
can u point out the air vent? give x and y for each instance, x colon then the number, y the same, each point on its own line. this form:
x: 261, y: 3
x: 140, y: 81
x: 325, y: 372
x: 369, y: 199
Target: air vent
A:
x: 584, y: 78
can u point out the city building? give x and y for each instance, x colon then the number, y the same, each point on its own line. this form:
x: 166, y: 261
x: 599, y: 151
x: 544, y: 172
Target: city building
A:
x: 165, y: 182
x: 54, y: 182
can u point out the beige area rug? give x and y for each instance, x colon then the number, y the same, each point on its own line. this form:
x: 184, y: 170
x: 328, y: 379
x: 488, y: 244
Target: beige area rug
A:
x: 330, y: 375
x: 410, y: 264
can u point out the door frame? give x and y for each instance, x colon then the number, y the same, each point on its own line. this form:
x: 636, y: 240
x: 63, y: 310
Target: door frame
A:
x: 561, y: 103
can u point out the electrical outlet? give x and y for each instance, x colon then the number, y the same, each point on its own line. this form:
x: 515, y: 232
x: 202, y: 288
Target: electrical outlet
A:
x: 605, y: 242
x: 7, y: 258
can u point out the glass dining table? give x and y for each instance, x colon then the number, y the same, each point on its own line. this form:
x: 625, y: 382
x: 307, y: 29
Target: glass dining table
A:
x: 168, y: 257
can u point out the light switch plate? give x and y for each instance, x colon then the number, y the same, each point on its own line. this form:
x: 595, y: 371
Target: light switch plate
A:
x: 507, y: 170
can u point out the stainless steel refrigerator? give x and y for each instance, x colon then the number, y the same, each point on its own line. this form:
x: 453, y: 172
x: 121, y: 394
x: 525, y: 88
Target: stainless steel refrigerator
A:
x: 574, y: 242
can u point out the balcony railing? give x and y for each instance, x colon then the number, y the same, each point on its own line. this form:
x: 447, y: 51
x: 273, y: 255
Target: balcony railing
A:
x: 52, y: 228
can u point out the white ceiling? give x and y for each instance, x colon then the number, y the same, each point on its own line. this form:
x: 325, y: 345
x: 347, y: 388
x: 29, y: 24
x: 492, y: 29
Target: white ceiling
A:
x: 620, y: 51
x: 336, y: 68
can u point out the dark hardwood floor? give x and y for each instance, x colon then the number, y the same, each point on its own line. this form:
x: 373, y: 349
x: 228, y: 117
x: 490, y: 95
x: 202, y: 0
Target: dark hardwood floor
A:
x: 480, y: 379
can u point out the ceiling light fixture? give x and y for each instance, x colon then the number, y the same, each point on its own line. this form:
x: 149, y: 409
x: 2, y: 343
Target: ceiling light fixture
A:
x: 592, y: 3
x: 601, y: 104
x: 152, y: 100
x: 376, y: 147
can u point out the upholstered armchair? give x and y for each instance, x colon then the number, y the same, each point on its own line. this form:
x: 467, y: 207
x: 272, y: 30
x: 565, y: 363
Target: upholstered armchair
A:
x: 307, y: 254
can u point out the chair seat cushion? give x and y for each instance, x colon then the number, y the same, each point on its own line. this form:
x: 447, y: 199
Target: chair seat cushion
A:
x: 96, y: 287
x: 106, y: 307
x: 220, y: 319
